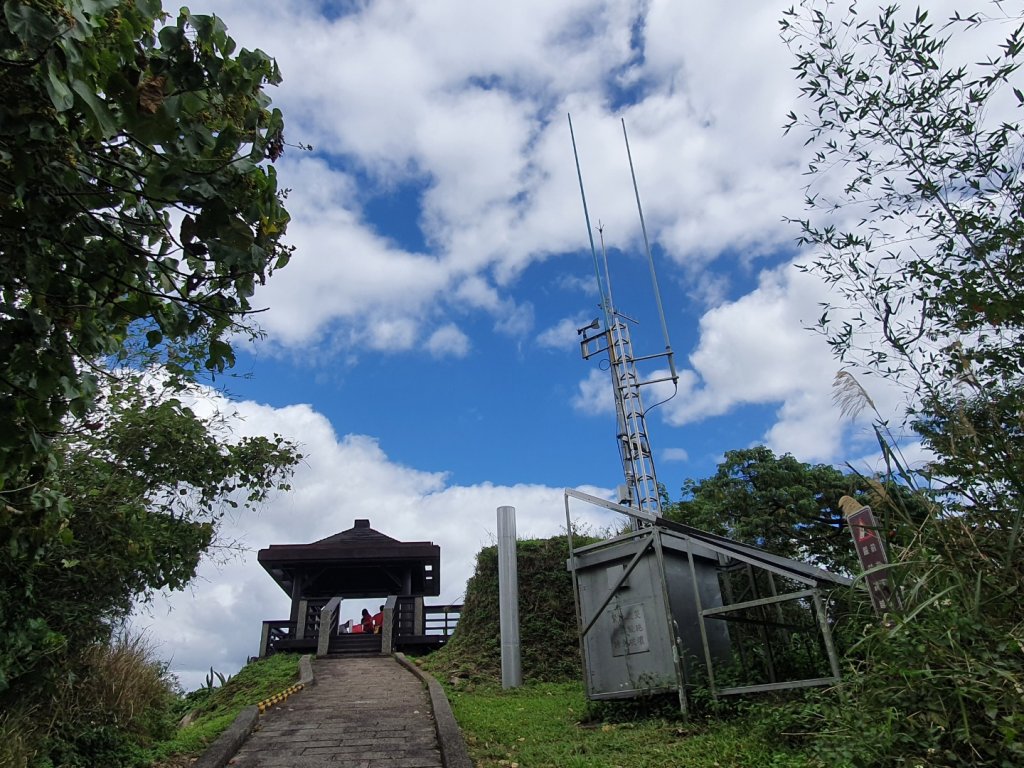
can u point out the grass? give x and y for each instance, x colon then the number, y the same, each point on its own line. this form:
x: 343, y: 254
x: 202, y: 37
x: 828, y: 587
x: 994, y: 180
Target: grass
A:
x: 214, y: 710
x: 552, y: 724
x: 549, y: 722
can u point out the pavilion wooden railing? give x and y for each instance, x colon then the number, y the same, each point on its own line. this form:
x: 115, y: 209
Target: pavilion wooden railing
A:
x: 403, y: 616
x: 441, y: 619
x: 408, y: 624
x: 273, y: 633
x: 310, y: 610
x: 411, y: 625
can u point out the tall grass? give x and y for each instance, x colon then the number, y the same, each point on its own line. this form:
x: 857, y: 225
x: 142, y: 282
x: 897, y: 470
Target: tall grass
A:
x: 941, y: 681
x: 549, y: 639
x: 18, y: 736
x: 113, y: 701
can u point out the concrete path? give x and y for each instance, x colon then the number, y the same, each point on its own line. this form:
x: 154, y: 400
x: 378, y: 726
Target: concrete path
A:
x: 362, y: 713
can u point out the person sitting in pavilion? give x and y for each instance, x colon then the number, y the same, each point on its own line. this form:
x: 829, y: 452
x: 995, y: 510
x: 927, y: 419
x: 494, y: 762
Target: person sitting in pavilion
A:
x: 366, y: 622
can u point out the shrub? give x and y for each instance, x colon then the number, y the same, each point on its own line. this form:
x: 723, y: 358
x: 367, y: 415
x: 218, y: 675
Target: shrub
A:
x: 115, y: 700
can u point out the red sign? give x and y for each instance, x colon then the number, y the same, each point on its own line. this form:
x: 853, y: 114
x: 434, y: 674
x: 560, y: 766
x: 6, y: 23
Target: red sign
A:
x: 871, y: 552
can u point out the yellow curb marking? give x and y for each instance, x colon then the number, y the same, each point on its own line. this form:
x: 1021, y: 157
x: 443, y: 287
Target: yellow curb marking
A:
x: 277, y: 698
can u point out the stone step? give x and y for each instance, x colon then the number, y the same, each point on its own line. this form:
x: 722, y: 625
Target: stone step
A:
x: 355, y: 644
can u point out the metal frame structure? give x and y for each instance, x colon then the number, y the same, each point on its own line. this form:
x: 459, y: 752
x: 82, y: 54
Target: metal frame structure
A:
x: 634, y: 445
x: 696, y: 622
x: 725, y: 557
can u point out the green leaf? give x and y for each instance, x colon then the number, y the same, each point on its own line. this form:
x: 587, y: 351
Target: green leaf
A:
x: 58, y: 91
x: 93, y: 277
x: 102, y: 121
x: 31, y: 27
x: 97, y: 7
x: 221, y: 356
x: 149, y: 8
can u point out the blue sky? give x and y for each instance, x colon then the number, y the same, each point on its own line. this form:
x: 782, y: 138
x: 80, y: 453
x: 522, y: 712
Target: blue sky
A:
x: 504, y: 412
x: 421, y: 345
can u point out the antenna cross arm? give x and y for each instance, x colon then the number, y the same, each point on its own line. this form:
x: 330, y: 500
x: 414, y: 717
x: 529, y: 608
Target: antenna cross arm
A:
x: 651, y: 357
x: 647, y: 382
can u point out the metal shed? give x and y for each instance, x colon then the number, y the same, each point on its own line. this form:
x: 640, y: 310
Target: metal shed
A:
x: 667, y: 606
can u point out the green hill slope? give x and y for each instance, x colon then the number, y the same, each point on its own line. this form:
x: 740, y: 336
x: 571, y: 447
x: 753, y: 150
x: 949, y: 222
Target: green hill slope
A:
x: 548, y: 638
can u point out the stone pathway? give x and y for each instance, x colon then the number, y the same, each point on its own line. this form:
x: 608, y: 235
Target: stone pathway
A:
x: 362, y: 713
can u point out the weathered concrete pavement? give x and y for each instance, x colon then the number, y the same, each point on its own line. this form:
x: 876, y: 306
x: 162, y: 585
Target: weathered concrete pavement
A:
x: 362, y: 713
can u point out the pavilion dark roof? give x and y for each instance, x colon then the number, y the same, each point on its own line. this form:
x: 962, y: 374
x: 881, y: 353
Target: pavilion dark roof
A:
x: 357, y: 552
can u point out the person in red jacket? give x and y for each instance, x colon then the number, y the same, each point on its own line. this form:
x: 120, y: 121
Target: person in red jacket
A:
x: 378, y: 620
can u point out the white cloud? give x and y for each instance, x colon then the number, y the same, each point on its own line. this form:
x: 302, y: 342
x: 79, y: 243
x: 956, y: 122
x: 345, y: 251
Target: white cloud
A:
x: 808, y: 426
x: 563, y: 334
x: 578, y: 284
x: 469, y: 103
x: 476, y: 292
x: 757, y: 350
x: 514, y: 319
x: 675, y: 454
x: 390, y: 334
x: 448, y: 341
x: 341, y: 270
x: 594, y: 394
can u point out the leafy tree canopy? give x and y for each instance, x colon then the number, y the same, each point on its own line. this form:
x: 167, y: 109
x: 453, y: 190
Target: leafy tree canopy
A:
x: 778, y: 503
x: 138, y: 212
x: 916, y: 206
x: 134, y: 203
x: 146, y: 480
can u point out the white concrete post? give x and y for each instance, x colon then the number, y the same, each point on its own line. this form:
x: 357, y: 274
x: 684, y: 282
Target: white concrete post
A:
x: 508, y: 599
x: 328, y: 624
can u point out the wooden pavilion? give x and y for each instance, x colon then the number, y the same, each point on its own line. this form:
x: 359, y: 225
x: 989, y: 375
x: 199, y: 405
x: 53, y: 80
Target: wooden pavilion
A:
x: 357, y: 563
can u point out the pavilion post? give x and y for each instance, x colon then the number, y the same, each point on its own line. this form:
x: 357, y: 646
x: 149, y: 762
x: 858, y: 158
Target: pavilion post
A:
x: 300, y: 622
x: 265, y: 639
x: 297, y: 586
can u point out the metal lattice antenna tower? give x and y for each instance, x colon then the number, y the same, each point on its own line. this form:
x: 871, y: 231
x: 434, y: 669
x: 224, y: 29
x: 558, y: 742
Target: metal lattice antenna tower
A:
x: 634, y: 445
x: 614, y: 338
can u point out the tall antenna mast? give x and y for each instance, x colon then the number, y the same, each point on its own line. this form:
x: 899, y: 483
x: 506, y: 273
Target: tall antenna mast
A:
x: 641, y: 488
